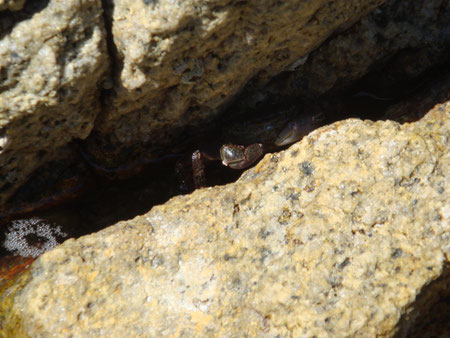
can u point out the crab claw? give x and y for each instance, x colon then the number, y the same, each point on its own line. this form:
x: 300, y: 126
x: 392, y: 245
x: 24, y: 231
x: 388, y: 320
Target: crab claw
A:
x: 239, y: 157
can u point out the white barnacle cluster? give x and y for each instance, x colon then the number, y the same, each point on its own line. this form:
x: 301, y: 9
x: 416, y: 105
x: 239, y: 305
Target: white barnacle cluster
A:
x: 32, y: 237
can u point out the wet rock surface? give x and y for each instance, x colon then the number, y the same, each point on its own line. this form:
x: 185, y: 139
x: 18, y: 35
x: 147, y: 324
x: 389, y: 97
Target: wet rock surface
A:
x: 342, y: 234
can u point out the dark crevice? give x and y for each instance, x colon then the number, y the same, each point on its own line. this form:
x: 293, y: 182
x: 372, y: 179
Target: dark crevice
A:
x: 240, y: 124
x: 116, y: 64
x: 429, y: 314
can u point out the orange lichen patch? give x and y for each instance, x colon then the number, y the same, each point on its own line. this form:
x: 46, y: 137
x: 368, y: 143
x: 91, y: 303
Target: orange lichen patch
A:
x: 11, y: 266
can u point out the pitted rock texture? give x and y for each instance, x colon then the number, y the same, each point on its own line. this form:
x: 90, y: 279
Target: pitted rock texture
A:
x: 401, y: 38
x: 335, y: 236
x: 50, y: 80
x: 178, y: 62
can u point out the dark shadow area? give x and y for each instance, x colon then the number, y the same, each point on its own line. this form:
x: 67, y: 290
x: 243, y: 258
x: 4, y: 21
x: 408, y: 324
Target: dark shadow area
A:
x: 116, y: 63
x: 9, y: 19
x: 429, y: 314
x: 100, y: 196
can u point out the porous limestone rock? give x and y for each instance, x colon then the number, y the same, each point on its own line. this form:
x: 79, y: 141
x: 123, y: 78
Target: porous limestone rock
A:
x: 178, y: 62
x: 340, y: 235
x: 52, y: 61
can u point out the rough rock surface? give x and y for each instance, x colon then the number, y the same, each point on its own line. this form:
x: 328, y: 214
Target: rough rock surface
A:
x: 175, y: 64
x: 404, y: 38
x: 50, y: 80
x: 178, y: 62
x: 179, y: 71
x: 335, y: 236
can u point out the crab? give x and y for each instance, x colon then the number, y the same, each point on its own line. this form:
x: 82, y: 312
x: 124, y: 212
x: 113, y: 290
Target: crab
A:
x: 240, y: 157
x: 54, y: 185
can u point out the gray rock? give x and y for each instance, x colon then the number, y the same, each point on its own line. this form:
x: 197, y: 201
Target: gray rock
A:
x: 50, y: 82
x: 336, y: 236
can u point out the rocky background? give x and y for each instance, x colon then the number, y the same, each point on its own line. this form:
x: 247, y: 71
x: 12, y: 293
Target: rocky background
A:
x: 345, y: 233
x: 131, y: 78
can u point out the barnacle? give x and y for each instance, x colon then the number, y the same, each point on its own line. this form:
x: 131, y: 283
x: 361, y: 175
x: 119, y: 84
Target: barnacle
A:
x: 32, y: 237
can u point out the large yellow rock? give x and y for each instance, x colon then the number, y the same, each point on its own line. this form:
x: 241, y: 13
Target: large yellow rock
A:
x: 336, y: 236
